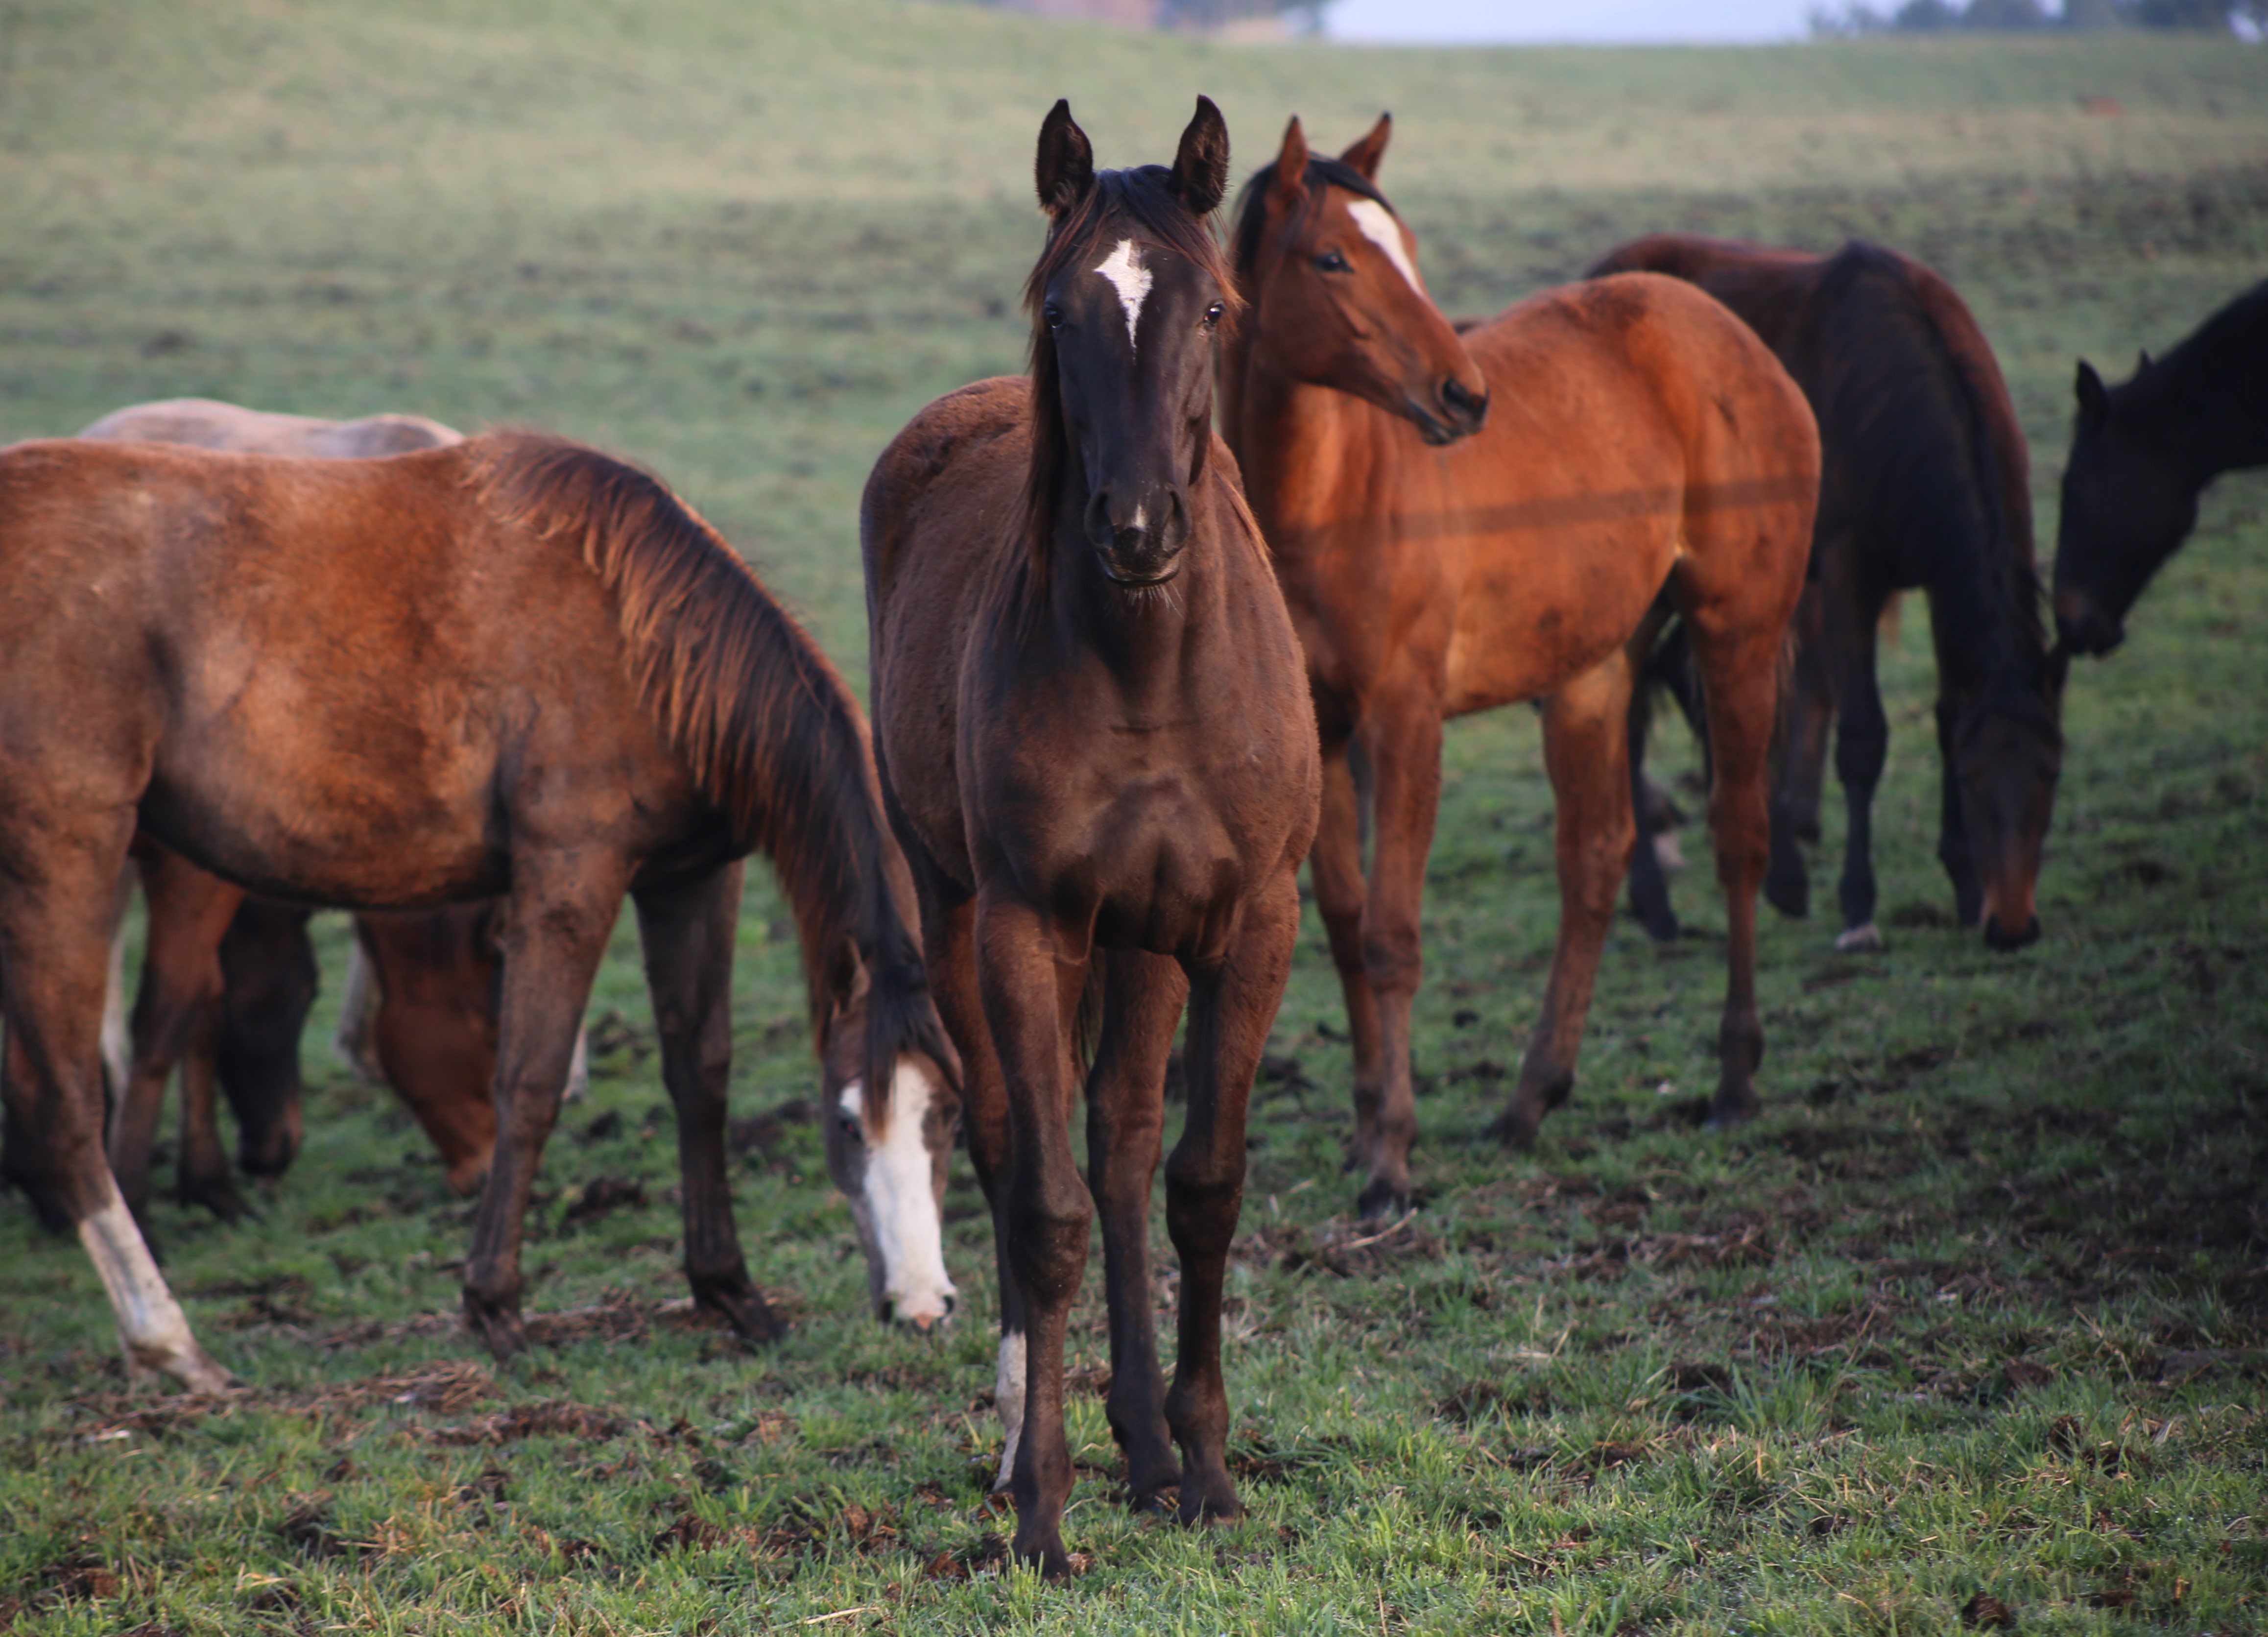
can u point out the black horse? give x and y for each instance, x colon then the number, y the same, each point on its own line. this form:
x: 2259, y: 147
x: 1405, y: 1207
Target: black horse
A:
x: 2141, y: 454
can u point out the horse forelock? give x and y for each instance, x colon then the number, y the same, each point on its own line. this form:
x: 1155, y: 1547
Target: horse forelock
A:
x: 1323, y: 174
x: 1131, y: 204
x: 764, y: 723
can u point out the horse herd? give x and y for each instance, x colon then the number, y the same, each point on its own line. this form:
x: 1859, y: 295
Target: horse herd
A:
x: 1186, y: 606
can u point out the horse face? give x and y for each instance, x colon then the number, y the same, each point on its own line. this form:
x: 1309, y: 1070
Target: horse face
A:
x: 2125, y: 508
x: 2007, y: 758
x: 890, y: 1164
x: 1133, y: 331
x: 1338, y: 300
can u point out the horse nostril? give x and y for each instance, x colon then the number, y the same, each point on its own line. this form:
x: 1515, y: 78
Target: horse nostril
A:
x: 1459, y: 399
x: 889, y: 1310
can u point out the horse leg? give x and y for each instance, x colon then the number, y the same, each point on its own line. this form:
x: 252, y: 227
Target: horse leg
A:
x: 1803, y: 760
x: 1405, y: 750
x: 1231, y: 1010
x: 355, y: 1044
x: 1335, y: 867
x: 25, y: 1163
x: 1741, y: 672
x: 55, y: 934
x: 1125, y: 1116
x: 1952, y: 829
x: 1028, y: 1000
x: 189, y: 912
x: 269, y: 982
x: 556, y: 922
x: 1862, y: 744
x: 117, y: 1041
x: 685, y: 929
x: 1649, y: 887
x: 200, y: 1177
x: 1585, y: 754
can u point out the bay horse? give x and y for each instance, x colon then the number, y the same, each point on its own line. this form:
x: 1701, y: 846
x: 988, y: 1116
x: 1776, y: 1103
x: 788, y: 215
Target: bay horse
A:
x: 1926, y: 484
x: 511, y: 669
x: 2142, y: 451
x: 1463, y: 523
x: 1097, y: 751
x: 227, y: 980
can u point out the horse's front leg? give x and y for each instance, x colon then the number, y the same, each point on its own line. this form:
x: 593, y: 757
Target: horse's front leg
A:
x: 1231, y: 1010
x: 1335, y: 867
x: 1586, y: 754
x: 555, y: 926
x: 1403, y: 740
x: 1862, y: 744
x: 685, y: 929
x: 1045, y: 1209
x: 1125, y: 1115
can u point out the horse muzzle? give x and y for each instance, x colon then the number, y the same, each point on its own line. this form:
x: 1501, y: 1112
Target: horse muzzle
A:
x: 2083, y: 627
x: 1999, y: 939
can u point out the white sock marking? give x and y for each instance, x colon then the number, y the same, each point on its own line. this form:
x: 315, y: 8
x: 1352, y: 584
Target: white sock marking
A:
x: 901, y: 1203
x: 150, y: 1322
x: 1123, y: 267
x: 1008, y: 1398
x: 1379, y: 226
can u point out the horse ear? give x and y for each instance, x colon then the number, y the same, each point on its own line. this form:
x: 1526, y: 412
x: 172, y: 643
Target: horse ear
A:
x: 1364, y: 155
x: 1200, y: 178
x: 1064, y: 169
x: 2094, y: 397
x: 1291, y: 165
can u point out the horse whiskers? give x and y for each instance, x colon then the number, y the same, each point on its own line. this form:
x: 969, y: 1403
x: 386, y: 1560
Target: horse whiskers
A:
x: 1141, y: 598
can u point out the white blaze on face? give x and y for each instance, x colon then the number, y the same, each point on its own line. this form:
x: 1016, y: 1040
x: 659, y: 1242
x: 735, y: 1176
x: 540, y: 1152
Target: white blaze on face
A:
x: 900, y: 1202
x: 1379, y: 226
x: 150, y: 1321
x: 1123, y: 267
x: 1008, y: 1398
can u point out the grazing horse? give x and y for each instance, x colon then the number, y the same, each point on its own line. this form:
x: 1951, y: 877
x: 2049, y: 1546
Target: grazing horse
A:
x: 1925, y: 484
x: 511, y: 669
x: 1460, y: 524
x: 2141, y: 454
x: 1102, y: 763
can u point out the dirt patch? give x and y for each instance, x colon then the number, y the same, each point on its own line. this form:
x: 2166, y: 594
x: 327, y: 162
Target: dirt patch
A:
x: 541, y: 1419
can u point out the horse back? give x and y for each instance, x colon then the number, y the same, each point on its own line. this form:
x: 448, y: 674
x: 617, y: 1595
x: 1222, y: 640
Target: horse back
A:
x: 210, y: 423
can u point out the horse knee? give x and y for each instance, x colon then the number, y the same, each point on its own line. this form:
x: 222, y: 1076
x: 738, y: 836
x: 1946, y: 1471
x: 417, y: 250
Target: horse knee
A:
x: 1394, y: 962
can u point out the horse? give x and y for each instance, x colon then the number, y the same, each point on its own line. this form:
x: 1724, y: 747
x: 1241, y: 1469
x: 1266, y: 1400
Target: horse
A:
x: 2142, y: 451
x: 1924, y: 485
x: 254, y: 969
x: 1101, y: 760
x: 511, y: 669
x: 1461, y: 523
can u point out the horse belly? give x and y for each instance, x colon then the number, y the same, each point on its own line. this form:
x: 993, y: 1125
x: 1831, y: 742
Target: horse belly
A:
x: 1536, y: 614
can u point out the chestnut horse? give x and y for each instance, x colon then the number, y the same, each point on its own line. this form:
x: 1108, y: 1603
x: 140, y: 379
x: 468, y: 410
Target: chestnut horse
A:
x: 1102, y: 763
x: 512, y: 668
x: 1460, y: 524
x: 2142, y: 451
x: 1925, y: 484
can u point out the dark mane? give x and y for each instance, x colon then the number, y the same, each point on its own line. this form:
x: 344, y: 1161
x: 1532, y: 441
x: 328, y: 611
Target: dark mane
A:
x: 770, y: 732
x: 1911, y: 474
x: 1123, y: 204
x: 2207, y: 375
x: 1321, y: 173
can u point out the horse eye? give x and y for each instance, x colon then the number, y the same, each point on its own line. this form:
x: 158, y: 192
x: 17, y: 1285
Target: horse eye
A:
x: 849, y: 1123
x: 1053, y: 315
x: 1212, y: 315
x: 1331, y: 262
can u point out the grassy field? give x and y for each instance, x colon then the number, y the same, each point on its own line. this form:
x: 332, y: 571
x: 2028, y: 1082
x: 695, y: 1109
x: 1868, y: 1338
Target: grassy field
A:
x: 1978, y: 1311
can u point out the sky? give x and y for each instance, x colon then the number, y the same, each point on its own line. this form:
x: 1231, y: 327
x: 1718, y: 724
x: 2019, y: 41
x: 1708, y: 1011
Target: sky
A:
x: 1452, y: 22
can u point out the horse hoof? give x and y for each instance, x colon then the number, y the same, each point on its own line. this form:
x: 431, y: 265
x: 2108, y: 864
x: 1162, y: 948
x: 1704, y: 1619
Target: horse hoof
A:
x: 496, y: 1324
x: 1515, y: 1127
x: 1047, y: 1555
x: 744, y: 1307
x: 1210, y: 1503
x: 1867, y: 939
x: 219, y: 1197
x: 1160, y: 1499
x: 1380, y: 1197
x: 1792, y: 899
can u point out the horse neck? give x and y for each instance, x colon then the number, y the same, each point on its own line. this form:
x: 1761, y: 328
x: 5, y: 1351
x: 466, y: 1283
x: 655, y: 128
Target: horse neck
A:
x: 2205, y: 405
x: 1310, y: 455
x: 1142, y: 640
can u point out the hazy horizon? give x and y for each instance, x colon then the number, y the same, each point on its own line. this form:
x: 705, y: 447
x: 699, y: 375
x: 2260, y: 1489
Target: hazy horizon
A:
x: 1622, y: 22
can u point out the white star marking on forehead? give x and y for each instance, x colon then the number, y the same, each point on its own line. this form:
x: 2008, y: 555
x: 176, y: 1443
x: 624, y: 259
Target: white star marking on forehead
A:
x: 1379, y: 226
x: 1123, y: 267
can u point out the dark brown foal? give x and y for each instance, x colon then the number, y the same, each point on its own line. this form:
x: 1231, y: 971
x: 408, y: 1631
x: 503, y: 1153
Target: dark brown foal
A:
x: 1097, y: 747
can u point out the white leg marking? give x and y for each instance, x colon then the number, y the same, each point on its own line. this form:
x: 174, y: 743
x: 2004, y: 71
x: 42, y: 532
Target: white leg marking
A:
x: 1123, y: 267
x: 578, y: 1068
x: 1667, y: 853
x: 1008, y: 1398
x: 902, y: 1200
x: 150, y: 1322
x: 1860, y: 940
x: 1378, y: 225
x: 117, y: 1045
x: 357, y: 1016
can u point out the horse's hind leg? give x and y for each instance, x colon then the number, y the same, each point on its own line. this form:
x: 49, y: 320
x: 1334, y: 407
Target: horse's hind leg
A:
x: 1585, y: 753
x: 202, y: 1174
x: 555, y: 926
x: 1649, y: 887
x: 189, y: 912
x: 1125, y: 1101
x: 1953, y: 849
x: 1335, y: 867
x: 1862, y: 744
x: 1809, y: 716
x: 1231, y: 1011
x: 687, y: 932
x: 55, y: 931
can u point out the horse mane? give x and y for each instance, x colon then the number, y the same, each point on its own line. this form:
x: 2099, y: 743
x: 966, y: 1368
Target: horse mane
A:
x: 1992, y: 474
x: 2202, y: 373
x: 1134, y: 203
x: 770, y: 732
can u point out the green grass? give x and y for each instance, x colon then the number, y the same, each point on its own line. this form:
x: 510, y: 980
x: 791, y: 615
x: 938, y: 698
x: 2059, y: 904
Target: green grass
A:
x: 1928, y: 1329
